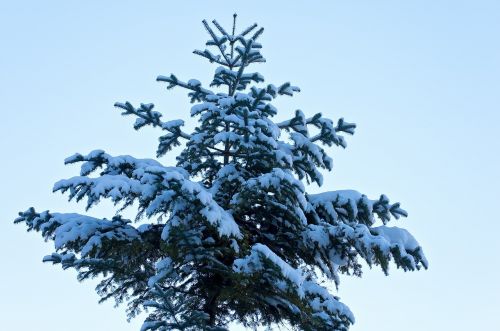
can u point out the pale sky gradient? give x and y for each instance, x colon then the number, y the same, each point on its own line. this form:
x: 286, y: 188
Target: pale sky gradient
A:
x: 420, y: 78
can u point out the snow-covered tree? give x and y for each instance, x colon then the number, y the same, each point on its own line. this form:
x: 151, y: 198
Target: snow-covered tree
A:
x: 229, y: 233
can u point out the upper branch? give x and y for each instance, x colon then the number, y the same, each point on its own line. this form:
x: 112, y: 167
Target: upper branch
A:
x: 198, y: 92
x: 328, y: 132
x: 219, y: 42
x: 146, y: 116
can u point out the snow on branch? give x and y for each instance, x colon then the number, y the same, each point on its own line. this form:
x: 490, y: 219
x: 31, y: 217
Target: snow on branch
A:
x: 236, y: 50
x: 77, y: 233
x: 159, y: 190
x: 146, y: 116
x: 225, y: 76
x: 307, y: 154
x: 328, y: 132
x: 198, y: 93
x: 352, y: 206
x: 113, y: 249
x: 378, y: 245
x: 343, y: 221
x: 326, y: 306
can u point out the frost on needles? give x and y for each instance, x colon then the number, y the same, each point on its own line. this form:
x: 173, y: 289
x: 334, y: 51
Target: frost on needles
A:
x: 229, y: 233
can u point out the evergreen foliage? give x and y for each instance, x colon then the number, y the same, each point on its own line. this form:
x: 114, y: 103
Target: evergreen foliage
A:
x: 229, y: 233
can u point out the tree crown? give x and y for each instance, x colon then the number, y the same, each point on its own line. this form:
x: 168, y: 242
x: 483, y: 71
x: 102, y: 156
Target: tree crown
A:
x: 236, y: 235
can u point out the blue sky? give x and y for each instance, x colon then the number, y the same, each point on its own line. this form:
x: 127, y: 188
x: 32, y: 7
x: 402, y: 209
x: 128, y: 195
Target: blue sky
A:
x: 420, y: 78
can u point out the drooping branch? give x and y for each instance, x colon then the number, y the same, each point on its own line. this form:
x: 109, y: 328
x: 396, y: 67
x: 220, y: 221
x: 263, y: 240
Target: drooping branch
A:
x: 158, y: 190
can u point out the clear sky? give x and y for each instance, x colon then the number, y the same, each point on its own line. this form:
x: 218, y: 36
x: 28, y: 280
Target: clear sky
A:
x: 420, y: 78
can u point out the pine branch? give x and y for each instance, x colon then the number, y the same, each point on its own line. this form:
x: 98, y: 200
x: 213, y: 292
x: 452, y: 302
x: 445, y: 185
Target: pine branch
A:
x: 211, y: 57
x: 145, y: 113
x: 199, y: 93
x: 218, y: 42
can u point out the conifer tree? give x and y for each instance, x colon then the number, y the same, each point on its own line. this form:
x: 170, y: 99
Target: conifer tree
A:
x: 229, y: 233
